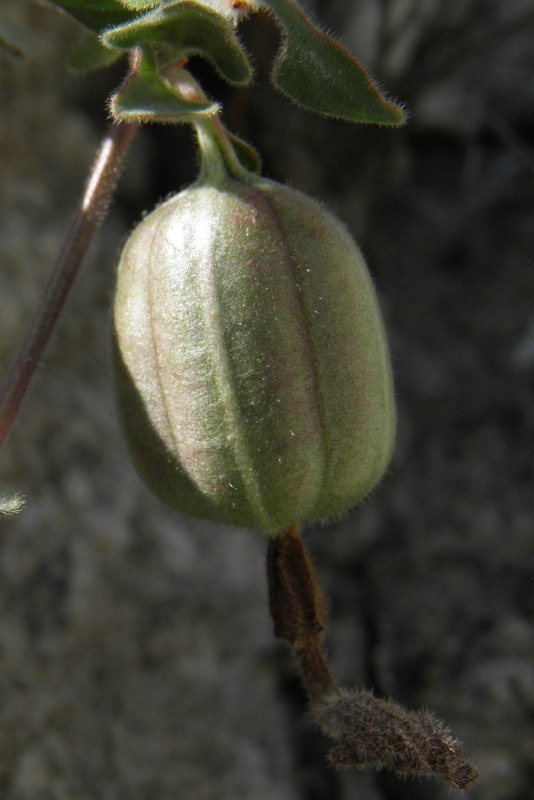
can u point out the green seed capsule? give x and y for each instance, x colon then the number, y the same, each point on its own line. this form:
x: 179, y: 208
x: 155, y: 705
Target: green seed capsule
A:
x: 252, y: 367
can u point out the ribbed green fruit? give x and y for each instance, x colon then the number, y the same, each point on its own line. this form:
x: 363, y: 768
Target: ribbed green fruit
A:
x: 252, y: 368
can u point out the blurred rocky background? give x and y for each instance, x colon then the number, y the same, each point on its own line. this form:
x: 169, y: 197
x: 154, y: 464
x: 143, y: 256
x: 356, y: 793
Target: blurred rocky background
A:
x: 137, y: 660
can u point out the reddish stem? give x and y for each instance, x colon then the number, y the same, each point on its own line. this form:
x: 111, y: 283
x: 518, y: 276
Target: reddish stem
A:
x: 297, y: 604
x: 102, y: 181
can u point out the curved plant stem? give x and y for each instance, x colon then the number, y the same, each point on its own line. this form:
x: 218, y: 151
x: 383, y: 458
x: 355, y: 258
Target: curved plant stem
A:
x: 102, y: 181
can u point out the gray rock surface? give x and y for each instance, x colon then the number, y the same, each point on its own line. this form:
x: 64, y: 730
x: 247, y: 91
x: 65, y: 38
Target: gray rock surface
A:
x: 136, y: 653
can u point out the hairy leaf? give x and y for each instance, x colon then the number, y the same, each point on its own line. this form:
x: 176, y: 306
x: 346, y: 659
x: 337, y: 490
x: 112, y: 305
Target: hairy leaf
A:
x: 186, y: 29
x: 229, y: 9
x: 141, y: 5
x: 321, y: 75
x: 149, y: 97
x: 90, y: 53
x: 10, y: 502
x: 97, y: 15
x: 246, y: 154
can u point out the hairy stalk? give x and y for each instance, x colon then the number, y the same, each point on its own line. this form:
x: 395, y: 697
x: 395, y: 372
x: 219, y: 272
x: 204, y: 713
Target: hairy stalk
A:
x: 297, y: 607
x: 367, y: 731
x: 102, y: 181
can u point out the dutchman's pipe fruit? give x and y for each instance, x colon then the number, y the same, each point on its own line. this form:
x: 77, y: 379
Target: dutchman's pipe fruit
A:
x: 252, y: 367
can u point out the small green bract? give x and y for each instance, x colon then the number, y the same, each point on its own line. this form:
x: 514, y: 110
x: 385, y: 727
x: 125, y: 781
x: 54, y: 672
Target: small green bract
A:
x: 252, y: 368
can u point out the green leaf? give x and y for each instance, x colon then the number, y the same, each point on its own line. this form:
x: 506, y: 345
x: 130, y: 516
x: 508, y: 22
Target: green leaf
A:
x: 246, y: 154
x: 141, y: 5
x: 96, y: 14
x: 186, y: 29
x: 320, y: 74
x: 10, y: 502
x: 90, y: 53
x: 223, y: 8
x: 148, y: 97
